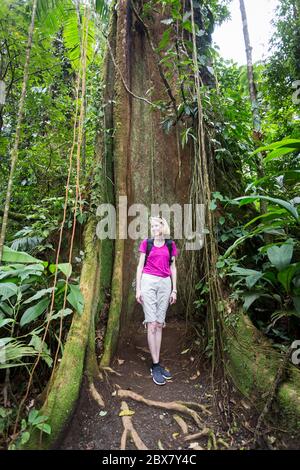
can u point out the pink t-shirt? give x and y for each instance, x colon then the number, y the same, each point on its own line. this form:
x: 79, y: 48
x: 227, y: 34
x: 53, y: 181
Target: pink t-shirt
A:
x: 158, y: 259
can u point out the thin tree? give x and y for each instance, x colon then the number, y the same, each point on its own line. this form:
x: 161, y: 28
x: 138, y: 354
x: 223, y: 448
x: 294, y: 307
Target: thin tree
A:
x: 257, y: 132
x: 15, y: 148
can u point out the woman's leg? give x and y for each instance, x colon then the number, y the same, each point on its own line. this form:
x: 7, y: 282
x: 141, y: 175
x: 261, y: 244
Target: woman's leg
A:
x: 151, y: 334
x: 158, y: 337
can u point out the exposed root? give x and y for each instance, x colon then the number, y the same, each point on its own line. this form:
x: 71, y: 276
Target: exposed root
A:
x: 129, y: 430
x: 196, y: 406
x: 181, y: 423
x: 173, y: 406
x: 96, y: 395
x: 223, y: 443
x: 191, y: 437
x: 112, y: 371
x: 212, y: 441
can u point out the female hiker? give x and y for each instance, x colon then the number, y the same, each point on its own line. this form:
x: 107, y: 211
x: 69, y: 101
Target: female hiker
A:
x: 156, y: 288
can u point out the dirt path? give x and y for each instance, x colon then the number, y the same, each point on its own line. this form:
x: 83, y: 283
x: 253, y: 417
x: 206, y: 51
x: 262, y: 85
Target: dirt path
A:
x: 95, y: 427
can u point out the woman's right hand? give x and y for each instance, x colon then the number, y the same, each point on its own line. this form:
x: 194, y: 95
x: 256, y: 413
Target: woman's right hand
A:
x: 138, y: 296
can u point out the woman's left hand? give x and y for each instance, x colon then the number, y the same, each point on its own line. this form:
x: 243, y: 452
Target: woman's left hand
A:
x: 173, y: 298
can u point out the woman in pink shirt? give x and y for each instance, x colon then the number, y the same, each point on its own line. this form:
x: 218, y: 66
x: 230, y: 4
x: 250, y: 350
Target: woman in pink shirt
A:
x: 155, y: 289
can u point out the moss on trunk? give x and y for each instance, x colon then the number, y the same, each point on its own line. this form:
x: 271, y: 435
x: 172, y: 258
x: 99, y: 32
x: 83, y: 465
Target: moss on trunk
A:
x: 64, y: 391
x: 253, y: 364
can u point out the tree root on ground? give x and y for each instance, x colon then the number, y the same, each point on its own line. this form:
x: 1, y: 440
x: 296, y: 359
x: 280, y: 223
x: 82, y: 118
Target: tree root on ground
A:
x: 96, y: 395
x: 191, y: 437
x: 129, y: 430
x: 112, y: 371
x: 196, y: 406
x: 173, y: 406
x: 182, y: 424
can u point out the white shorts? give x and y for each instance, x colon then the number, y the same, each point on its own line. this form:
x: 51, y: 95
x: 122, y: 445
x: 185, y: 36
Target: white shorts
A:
x: 156, y: 291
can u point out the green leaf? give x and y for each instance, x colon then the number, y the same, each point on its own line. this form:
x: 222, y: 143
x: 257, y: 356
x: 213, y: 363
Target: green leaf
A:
x: 5, y: 321
x: 38, y: 295
x: 294, y: 143
x: 188, y: 26
x: 7, y: 290
x: 39, y: 419
x: 32, y: 416
x: 41, y: 347
x: 285, y: 204
x: 213, y: 205
x: 102, y: 8
x: 296, y: 301
x: 76, y: 298
x: 25, y: 437
x: 32, y: 313
x: 62, y: 313
x: 281, y: 256
x: 165, y: 39
x: 278, y: 153
x: 265, y: 218
x: 45, y: 428
x: 249, y: 299
x: 286, y: 275
x: 251, y: 276
x: 65, y: 268
x: 12, y: 256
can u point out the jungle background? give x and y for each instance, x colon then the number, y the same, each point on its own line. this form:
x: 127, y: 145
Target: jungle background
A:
x: 94, y: 97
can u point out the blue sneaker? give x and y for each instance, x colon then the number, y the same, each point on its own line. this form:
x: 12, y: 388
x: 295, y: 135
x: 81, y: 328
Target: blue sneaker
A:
x: 165, y: 373
x: 157, y: 376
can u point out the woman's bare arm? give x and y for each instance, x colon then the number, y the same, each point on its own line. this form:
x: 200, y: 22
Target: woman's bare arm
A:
x: 173, y: 270
x: 139, y: 274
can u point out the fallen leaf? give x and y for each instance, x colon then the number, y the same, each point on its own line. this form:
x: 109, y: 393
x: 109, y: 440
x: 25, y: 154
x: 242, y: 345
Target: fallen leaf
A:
x: 175, y: 435
x: 193, y: 445
x: 160, y: 446
x: 103, y: 413
x: 194, y: 377
x: 114, y: 393
x: 121, y: 361
x: 126, y: 413
x: 185, y: 351
x: 245, y: 405
x: 137, y: 373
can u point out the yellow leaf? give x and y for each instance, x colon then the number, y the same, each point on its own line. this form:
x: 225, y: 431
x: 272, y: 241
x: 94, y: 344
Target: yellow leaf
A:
x: 126, y: 413
x: 175, y: 434
x: 185, y: 351
x: 160, y: 446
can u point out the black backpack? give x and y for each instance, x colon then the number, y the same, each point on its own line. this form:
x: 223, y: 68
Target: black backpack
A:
x: 150, y: 242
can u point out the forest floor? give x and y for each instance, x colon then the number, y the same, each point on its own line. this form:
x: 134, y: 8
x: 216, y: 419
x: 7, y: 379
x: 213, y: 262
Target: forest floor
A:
x: 100, y: 427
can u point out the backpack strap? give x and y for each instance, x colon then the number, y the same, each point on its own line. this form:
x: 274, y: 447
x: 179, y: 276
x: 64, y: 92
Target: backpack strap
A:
x: 169, y: 246
x: 150, y: 243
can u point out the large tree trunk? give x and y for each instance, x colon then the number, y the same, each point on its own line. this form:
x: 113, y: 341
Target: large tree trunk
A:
x: 149, y: 167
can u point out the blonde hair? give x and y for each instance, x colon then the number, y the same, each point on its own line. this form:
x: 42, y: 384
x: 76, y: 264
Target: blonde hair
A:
x: 165, y: 226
